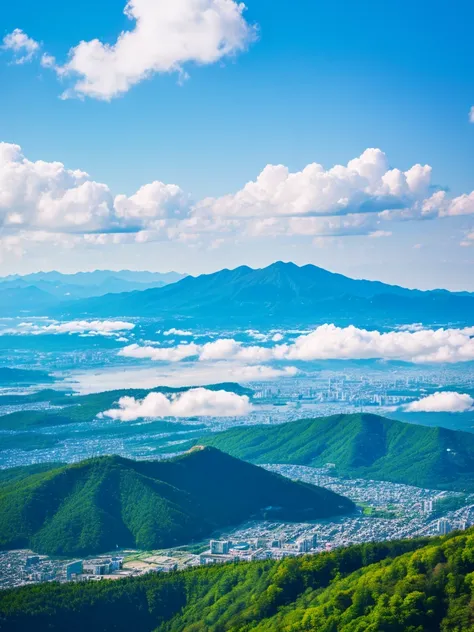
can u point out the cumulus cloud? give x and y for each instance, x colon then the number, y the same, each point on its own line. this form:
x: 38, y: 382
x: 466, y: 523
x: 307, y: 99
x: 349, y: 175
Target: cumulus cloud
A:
x: 365, y: 185
x: 442, y: 402
x: 426, y: 346
x: 24, y: 48
x: 329, y: 342
x: 94, y: 327
x: 360, y: 198
x: 197, y: 402
x: 160, y: 354
x: 46, y: 201
x: 47, y: 197
x: 165, y: 38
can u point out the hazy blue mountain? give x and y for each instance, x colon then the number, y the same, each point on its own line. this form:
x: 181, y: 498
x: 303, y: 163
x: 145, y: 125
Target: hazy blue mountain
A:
x: 283, y: 293
x: 17, y: 301
x: 80, y: 285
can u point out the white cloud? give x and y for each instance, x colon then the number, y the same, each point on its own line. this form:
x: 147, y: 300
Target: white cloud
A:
x: 23, y: 47
x: 47, y: 197
x: 426, y: 346
x: 252, y: 333
x: 442, y: 402
x: 257, y: 372
x: 198, y: 402
x: 165, y: 38
x: 329, y: 342
x: 471, y: 115
x: 412, y: 327
x: 160, y: 354
x: 365, y: 185
x: 45, y: 201
x: 177, y: 332
x: 94, y: 327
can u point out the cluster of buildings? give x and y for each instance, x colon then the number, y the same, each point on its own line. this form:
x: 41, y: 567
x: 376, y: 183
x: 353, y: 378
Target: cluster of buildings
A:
x: 256, y: 549
x: 21, y: 567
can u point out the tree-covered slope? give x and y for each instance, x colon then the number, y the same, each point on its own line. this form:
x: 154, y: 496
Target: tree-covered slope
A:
x: 25, y: 377
x: 406, y: 586
x: 360, y: 446
x: 102, y: 503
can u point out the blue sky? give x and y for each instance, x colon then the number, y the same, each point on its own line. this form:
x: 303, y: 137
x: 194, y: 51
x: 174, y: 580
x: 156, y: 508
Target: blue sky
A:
x: 321, y: 82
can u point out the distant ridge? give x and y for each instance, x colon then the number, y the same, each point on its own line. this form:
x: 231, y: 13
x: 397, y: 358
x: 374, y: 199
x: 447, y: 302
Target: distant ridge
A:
x: 283, y: 293
x: 102, y: 503
x: 40, y: 291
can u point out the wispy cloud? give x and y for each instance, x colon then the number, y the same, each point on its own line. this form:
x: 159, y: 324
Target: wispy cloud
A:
x: 24, y: 48
x: 81, y: 327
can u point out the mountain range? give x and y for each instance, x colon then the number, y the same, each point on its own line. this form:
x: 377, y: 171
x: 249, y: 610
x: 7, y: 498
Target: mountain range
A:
x: 360, y: 446
x: 110, y: 502
x: 282, y: 293
x: 44, y: 290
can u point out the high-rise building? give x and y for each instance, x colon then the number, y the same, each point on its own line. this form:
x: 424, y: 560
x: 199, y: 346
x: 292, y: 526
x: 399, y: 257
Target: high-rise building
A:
x: 219, y: 547
x: 427, y: 506
x: 304, y: 545
x: 444, y: 526
x: 73, y: 569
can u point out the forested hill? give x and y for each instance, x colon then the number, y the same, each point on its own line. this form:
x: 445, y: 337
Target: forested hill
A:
x: 102, y: 503
x: 360, y: 446
x: 407, y: 586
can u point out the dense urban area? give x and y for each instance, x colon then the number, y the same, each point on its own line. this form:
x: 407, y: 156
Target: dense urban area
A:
x: 385, y: 511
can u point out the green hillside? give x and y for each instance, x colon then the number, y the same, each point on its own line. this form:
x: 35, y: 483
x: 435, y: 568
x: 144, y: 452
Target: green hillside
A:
x: 360, y: 446
x: 102, y: 503
x: 25, y: 377
x: 405, y: 586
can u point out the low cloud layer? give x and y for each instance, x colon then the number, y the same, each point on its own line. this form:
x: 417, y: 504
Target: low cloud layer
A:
x: 442, y: 402
x: 328, y: 342
x: 197, y: 402
x: 89, y: 327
